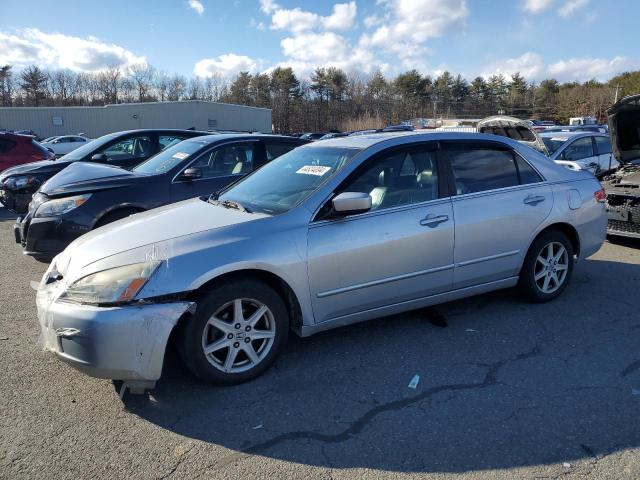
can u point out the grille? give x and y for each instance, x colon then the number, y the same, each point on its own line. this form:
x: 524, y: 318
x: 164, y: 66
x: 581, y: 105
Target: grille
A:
x: 627, y: 227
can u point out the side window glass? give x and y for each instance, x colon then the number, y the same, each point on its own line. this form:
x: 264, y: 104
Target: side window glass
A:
x: 481, y: 169
x: 526, y: 171
x: 603, y: 144
x: 131, y: 148
x: 579, y: 149
x: 168, y: 141
x: 274, y: 149
x: 227, y: 160
x: 401, y: 177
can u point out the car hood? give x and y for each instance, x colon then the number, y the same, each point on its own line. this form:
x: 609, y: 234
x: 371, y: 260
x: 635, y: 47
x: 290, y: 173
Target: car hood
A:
x: 34, y: 168
x: 146, y: 235
x: 81, y: 177
x: 513, y: 128
x: 624, y: 128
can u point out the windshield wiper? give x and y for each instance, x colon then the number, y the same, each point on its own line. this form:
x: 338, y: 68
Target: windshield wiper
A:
x: 229, y: 204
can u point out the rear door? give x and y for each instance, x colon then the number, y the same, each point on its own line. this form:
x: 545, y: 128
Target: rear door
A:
x: 606, y: 162
x: 500, y: 201
x: 219, y: 167
x: 131, y: 150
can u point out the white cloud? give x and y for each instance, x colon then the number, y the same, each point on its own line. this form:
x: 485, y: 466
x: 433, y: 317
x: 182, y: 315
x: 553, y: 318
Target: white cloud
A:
x: 268, y: 6
x: 297, y: 20
x: 530, y: 65
x: 571, y: 6
x: 582, y: 69
x: 56, y: 50
x: 408, y: 24
x: 226, y: 65
x: 536, y: 6
x: 196, y: 6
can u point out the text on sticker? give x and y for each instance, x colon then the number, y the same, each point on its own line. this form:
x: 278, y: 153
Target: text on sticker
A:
x: 313, y: 170
x: 180, y: 155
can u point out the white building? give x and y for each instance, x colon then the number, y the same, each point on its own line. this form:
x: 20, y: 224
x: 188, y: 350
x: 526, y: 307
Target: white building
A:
x: 97, y: 121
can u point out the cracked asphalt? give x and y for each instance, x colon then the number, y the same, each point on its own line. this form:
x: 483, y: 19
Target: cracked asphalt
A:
x: 507, y: 390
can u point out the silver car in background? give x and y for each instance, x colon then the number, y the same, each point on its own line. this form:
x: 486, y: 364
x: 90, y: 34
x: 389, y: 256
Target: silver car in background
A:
x: 329, y: 234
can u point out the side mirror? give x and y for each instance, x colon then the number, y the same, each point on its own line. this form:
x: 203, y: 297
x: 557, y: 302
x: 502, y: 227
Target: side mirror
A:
x: 191, y: 173
x: 50, y: 149
x: 99, y: 157
x: 349, y: 203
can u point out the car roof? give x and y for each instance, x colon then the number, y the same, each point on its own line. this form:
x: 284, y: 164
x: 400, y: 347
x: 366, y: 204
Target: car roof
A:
x: 568, y: 135
x: 367, y: 140
x: 219, y: 137
x: 16, y: 136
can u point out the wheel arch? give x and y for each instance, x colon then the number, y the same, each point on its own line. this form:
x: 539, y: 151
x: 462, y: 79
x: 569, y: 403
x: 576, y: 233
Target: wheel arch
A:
x: 566, y: 228
x: 276, y: 282
x: 125, y: 206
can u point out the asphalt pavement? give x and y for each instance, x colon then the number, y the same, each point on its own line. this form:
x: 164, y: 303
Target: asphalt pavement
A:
x: 507, y: 389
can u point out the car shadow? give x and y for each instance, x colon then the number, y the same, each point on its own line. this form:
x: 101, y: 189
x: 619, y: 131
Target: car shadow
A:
x: 502, y: 384
x: 6, y: 215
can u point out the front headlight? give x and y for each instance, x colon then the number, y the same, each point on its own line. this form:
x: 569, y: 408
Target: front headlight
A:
x: 61, y: 205
x: 115, y: 285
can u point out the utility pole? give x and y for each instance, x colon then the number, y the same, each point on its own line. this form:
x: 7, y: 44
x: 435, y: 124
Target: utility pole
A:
x: 617, y: 90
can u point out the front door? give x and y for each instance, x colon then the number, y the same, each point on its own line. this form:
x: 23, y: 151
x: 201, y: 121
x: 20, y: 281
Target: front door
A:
x: 401, y: 250
x: 500, y: 201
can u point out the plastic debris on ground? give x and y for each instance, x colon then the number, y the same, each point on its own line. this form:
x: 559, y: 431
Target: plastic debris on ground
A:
x: 566, y: 465
x: 414, y: 382
x: 257, y: 427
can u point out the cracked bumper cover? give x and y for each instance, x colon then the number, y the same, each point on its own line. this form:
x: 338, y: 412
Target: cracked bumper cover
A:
x: 119, y: 343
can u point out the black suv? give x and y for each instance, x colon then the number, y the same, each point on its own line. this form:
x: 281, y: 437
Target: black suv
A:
x: 121, y: 149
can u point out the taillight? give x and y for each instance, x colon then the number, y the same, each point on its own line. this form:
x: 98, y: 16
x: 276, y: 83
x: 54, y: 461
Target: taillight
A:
x: 600, y: 196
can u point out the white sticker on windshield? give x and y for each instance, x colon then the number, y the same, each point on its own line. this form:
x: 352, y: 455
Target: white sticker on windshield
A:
x: 313, y: 170
x: 180, y: 155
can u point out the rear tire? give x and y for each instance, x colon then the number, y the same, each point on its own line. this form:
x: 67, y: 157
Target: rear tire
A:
x: 238, y: 330
x: 547, y: 268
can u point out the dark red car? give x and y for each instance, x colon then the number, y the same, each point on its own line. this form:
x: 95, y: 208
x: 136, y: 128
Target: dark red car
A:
x: 18, y: 149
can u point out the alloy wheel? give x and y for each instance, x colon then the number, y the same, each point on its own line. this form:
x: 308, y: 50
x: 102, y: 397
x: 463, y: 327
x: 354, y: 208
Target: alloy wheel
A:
x: 551, y: 267
x: 239, y: 335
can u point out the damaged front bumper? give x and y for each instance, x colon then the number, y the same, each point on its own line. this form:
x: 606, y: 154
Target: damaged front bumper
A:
x: 121, y: 343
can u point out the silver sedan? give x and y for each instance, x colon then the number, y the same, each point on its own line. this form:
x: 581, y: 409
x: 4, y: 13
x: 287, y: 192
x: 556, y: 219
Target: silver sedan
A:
x: 330, y: 234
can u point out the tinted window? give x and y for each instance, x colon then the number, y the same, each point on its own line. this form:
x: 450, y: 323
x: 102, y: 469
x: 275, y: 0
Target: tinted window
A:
x: 399, y: 178
x: 603, y: 144
x: 228, y: 160
x: 275, y: 149
x: 6, y: 145
x: 527, y: 173
x: 579, y: 149
x: 168, y: 141
x: 480, y: 169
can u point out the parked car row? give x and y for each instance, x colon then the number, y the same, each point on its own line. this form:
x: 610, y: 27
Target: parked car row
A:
x: 230, y: 241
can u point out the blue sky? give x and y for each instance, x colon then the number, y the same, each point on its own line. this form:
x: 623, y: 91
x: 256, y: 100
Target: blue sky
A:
x: 565, y: 39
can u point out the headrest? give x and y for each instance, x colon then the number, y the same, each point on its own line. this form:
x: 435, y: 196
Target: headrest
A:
x: 425, y: 177
x: 384, y: 178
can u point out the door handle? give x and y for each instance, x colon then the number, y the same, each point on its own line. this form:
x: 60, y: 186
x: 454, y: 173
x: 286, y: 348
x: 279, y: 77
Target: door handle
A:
x: 533, y: 200
x: 432, y: 220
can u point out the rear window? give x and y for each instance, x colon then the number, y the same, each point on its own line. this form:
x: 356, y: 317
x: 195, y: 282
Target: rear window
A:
x: 6, y: 145
x: 275, y: 149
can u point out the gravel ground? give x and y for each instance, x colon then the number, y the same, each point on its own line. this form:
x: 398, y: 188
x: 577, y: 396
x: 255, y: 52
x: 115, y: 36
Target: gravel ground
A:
x: 507, y: 390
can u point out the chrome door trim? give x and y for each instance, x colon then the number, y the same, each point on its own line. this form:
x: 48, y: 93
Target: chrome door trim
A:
x: 382, y: 281
x: 486, y: 259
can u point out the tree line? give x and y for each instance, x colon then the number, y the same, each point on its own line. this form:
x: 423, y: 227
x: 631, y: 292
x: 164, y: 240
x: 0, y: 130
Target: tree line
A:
x: 329, y: 99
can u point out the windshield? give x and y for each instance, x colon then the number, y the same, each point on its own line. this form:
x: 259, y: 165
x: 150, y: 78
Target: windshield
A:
x: 169, y: 158
x: 553, y: 144
x: 286, y: 181
x: 88, y: 148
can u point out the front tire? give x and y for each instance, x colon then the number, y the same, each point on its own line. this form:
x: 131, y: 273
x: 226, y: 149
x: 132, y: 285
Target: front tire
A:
x: 547, y: 268
x: 236, y: 333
